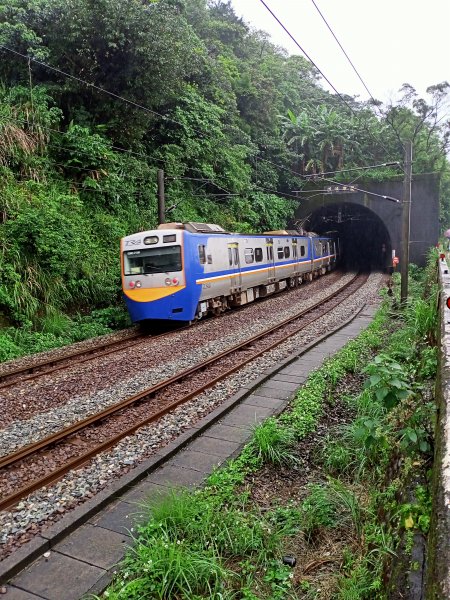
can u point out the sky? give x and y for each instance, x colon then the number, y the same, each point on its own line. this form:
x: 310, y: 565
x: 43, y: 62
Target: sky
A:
x: 390, y: 42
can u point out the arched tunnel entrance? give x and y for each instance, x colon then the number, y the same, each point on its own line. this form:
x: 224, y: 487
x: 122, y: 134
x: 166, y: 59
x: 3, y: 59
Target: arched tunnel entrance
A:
x: 364, y: 239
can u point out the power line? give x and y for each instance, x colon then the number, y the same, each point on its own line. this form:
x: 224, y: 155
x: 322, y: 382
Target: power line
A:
x: 343, y: 186
x: 307, y: 56
x: 345, y: 53
x: 319, y: 70
x: 135, y: 104
x: 96, y: 87
x: 388, y: 164
x: 375, y: 102
x: 316, y: 175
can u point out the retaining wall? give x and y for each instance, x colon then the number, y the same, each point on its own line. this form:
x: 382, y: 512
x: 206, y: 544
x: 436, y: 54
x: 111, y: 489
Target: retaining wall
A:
x: 438, y: 569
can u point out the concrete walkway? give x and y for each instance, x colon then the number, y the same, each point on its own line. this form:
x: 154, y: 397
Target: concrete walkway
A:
x: 84, y: 561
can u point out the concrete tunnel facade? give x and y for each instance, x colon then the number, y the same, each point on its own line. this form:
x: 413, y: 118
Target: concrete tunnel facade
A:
x: 369, y: 227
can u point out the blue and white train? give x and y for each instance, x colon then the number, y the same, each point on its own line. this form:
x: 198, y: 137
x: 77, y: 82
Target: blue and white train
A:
x: 182, y: 272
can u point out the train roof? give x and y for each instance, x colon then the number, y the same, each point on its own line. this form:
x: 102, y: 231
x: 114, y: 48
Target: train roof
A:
x: 193, y: 227
x: 202, y: 228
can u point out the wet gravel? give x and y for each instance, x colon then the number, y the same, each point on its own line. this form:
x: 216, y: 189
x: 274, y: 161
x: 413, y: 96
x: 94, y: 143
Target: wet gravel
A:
x: 35, y: 409
x: 48, y: 505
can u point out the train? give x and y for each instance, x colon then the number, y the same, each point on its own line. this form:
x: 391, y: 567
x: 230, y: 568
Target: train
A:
x: 186, y: 271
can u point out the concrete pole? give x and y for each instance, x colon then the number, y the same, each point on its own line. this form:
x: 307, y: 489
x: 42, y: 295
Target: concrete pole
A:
x: 406, y: 218
x: 161, y: 198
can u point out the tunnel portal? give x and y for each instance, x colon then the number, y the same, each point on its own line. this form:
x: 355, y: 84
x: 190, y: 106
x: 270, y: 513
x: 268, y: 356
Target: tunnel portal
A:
x: 364, y: 239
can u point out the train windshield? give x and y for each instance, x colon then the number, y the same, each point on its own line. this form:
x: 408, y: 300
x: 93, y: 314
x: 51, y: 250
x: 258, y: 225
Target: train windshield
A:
x: 152, y: 260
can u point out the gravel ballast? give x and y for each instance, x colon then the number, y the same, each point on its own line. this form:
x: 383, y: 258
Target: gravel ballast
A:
x: 48, y: 505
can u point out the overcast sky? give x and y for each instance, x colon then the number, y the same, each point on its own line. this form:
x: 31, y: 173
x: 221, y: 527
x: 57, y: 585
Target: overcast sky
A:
x: 390, y: 42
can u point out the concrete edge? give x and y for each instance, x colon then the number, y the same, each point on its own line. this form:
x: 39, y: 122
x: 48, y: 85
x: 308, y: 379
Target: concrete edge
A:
x: 437, y: 581
x: 17, y: 561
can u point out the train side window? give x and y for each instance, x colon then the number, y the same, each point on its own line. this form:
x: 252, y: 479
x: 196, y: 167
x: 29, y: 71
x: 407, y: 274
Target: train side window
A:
x: 236, y: 256
x: 249, y: 255
x: 209, y: 258
x: 287, y: 252
x: 258, y: 254
x: 302, y: 251
x: 230, y: 256
x: 202, y: 254
x: 280, y: 252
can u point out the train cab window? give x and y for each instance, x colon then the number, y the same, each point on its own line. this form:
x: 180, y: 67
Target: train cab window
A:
x: 287, y: 252
x: 302, y: 251
x: 280, y: 252
x: 249, y: 255
x: 202, y: 254
x: 153, y: 260
x: 258, y: 254
x: 230, y: 256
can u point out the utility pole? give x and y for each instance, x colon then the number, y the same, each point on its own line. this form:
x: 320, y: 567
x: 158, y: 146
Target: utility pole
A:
x: 161, y: 199
x: 406, y: 218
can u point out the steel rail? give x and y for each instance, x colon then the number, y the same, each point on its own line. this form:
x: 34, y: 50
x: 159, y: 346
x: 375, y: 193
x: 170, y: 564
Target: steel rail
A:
x: 90, y: 352
x: 55, y: 363
x: 88, y: 455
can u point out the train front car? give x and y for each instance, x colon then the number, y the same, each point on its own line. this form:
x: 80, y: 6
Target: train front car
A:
x: 154, y: 275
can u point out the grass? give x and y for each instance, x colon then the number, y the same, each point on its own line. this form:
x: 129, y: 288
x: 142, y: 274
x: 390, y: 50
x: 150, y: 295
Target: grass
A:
x: 272, y: 443
x: 57, y: 329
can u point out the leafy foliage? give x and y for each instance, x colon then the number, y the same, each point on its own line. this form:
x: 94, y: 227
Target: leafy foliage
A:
x: 183, y: 86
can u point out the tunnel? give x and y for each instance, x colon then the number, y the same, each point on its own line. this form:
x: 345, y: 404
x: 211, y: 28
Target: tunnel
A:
x: 363, y: 237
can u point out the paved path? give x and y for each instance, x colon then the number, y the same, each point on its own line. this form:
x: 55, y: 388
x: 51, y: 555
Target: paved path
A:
x: 83, y: 562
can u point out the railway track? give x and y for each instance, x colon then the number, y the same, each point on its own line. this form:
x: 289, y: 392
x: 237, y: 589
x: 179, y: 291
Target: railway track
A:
x: 77, y: 444
x: 47, y: 366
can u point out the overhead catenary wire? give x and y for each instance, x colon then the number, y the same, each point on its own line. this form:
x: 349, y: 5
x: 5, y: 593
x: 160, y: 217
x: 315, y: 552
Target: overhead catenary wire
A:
x: 344, y: 52
x: 97, y: 87
x: 339, y: 95
x: 374, y: 101
x: 156, y: 113
x: 352, y: 188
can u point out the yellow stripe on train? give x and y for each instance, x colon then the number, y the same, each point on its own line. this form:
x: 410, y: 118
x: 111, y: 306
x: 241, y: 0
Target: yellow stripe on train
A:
x: 151, y: 294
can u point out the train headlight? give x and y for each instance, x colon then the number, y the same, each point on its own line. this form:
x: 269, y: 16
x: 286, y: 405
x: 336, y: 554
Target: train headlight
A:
x: 151, y: 239
x: 138, y: 284
x: 131, y: 284
x: 168, y: 281
x: 174, y: 281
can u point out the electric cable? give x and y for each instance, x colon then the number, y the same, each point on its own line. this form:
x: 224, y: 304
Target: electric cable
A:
x: 345, y: 53
x: 318, y: 69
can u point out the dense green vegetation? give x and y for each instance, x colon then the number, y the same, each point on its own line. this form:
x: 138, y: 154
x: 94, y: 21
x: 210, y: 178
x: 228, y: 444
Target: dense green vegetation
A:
x: 365, y: 496
x: 96, y: 96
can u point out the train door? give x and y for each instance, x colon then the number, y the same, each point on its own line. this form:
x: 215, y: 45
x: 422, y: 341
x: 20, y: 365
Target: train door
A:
x: 270, y: 260
x: 233, y: 261
x: 295, y: 257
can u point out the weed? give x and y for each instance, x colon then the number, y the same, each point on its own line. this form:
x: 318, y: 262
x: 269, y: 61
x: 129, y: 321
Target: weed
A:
x: 272, y: 442
x: 170, y: 569
x: 387, y: 381
x: 329, y: 506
